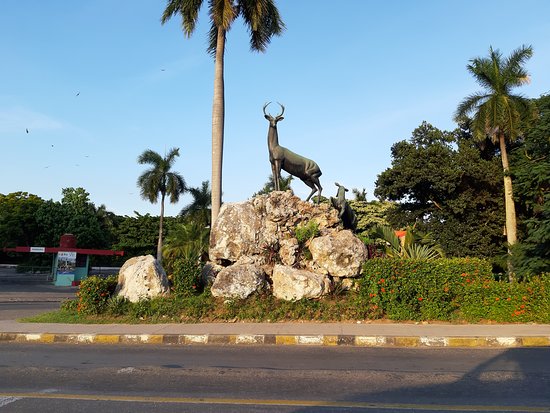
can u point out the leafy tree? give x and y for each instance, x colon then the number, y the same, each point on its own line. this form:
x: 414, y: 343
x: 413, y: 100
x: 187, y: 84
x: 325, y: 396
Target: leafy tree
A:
x: 159, y: 180
x: 262, y: 19
x: 76, y: 215
x: 269, y: 186
x: 82, y: 219
x: 498, y: 113
x: 446, y: 185
x: 18, y: 224
x: 532, y: 189
x: 199, y: 208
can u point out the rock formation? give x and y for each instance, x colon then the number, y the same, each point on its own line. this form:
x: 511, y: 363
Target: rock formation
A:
x: 259, y: 236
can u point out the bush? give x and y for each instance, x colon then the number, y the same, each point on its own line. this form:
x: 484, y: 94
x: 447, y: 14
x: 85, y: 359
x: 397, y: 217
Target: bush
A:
x: 94, y: 293
x: 186, y: 277
x: 408, y: 289
x: 502, y: 301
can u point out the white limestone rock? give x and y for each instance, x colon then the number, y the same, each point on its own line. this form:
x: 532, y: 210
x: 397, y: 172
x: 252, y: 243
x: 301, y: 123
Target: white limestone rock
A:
x: 238, y: 281
x: 339, y: 254
x: 142, y: 278
x: 293, y: 284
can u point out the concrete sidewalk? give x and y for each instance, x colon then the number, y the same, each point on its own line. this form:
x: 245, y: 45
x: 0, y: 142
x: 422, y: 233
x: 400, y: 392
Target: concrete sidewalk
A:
x: 370, y: 334
x: 366, y: 334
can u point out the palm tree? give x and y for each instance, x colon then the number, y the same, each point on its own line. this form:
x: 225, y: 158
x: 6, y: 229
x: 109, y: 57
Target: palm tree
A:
x: 199, y: 208
x: 498, y: 114
x: 269, y: 186
x: 263, y: 22
x: 160, y: 180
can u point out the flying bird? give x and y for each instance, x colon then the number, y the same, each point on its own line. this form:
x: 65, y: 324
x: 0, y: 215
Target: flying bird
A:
x: 27, y: 130
x: 77, y: 93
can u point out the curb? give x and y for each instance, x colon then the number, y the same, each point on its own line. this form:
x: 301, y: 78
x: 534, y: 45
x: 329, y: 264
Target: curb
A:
x: 275, y: 339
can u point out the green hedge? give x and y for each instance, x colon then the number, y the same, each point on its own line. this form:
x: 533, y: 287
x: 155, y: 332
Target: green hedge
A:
x: 450, y: 289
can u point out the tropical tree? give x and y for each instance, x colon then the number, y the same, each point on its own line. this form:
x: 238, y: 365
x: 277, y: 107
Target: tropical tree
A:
x: 443, y: 183
x: 498, y: 114
x: 199, y: 208
x: 159, y: 179
x: 263, y: 22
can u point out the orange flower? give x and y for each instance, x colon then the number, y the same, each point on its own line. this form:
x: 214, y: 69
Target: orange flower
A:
x: 420, y: 298
x: 522, y: 306
x: 496, y: 299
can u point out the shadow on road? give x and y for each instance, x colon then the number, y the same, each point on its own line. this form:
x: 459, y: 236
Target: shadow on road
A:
x: 516, y: 377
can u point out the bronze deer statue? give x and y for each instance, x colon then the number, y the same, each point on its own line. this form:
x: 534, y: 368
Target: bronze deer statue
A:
x: 282, y: 158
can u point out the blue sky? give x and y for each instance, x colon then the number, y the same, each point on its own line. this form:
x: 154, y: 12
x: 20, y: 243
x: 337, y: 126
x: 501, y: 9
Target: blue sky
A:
x: 98, y: 82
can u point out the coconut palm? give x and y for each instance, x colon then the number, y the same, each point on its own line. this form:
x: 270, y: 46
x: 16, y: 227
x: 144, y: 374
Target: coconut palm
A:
x: 263, y: 22
x: 497, y: 113
x: 159, y: 180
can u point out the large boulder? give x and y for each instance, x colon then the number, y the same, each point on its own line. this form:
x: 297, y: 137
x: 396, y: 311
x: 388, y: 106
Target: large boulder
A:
x: 239, y: 281
x: 142, y: 278
x: 339, y: 254
x: 293, y: 284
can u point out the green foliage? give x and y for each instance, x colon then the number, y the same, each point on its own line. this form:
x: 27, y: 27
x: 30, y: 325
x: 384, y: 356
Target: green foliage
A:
x: 186, y: 276
x: 94, y: 294
x: 186, y: 241
x: 18, y: 224
x: 199, y: 209
x: 503, y: 302
x: 407, y: 289
x: 307, y: 232
x: 370, y: 214
x: 449, y: 186
x: 531, y: 162
x: 414, y: 244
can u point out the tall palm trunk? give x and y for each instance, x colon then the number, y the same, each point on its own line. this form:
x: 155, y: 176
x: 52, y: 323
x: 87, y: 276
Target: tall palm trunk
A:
x: 218, y: 116
x: 159, y: 244
x: 509, y: 205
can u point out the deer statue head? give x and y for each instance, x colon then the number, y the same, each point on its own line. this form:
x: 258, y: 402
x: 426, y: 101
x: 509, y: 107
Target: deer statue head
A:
x: 273, y: 120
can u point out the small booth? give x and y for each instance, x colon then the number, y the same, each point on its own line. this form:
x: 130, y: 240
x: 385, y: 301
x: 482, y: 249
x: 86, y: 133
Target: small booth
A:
x: 70, y: 265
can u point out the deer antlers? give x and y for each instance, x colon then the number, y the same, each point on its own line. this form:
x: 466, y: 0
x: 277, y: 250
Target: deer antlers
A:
x: 279, y: 116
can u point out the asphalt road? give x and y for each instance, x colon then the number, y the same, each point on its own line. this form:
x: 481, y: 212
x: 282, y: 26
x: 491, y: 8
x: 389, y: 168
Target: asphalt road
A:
x: 85, y: 378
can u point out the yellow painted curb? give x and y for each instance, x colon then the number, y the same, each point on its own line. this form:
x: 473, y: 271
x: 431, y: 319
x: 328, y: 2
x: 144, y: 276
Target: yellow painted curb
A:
x: 535, y: 341
x: 106, y: 339
x: 286, y: 340
x: 330, y: 340
x: 467, y: 342
x: 406, y: 341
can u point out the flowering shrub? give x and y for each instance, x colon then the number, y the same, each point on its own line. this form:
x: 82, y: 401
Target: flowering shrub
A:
x: 501, y: 301
x: 94, y: 293
x: 408, y: 289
